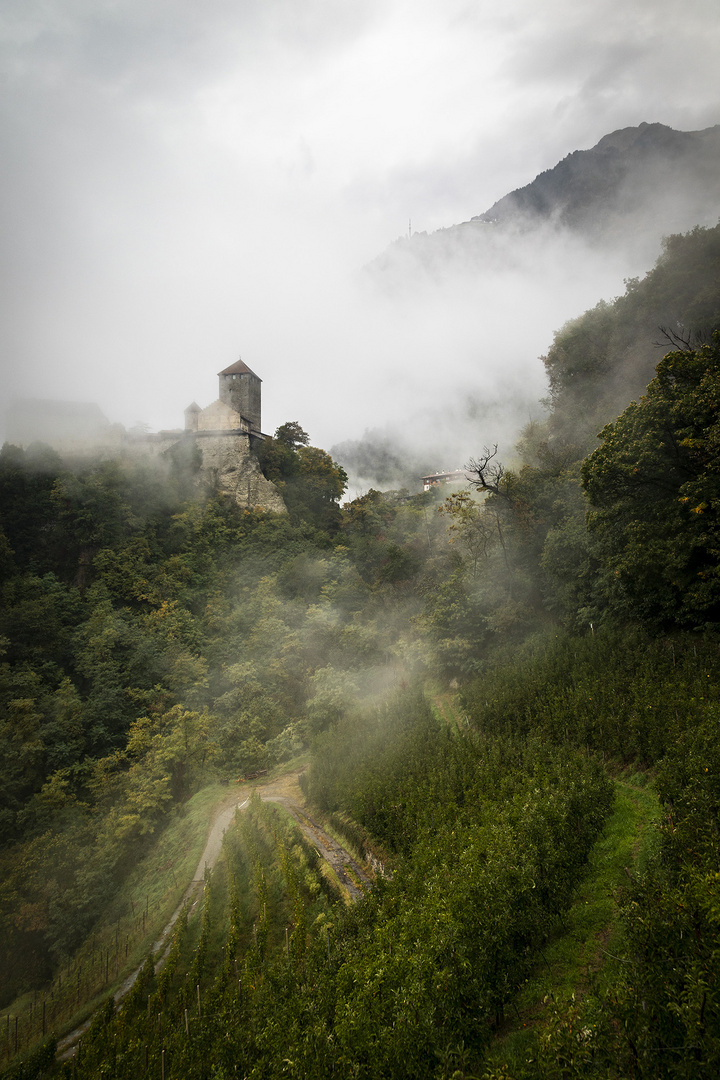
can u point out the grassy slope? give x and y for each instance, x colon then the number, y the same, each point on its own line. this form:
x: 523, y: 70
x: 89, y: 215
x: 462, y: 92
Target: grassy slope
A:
x: 140, y: 910
x: 579, y: 956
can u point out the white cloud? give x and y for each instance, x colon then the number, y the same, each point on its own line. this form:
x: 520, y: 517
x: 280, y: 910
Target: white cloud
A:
x: 184, y: 182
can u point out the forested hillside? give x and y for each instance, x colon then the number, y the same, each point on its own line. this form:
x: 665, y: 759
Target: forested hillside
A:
x: 508, y: 697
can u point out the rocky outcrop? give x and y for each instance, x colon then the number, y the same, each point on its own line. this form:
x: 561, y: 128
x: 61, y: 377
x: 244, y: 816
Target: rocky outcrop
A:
x: 228, y: 462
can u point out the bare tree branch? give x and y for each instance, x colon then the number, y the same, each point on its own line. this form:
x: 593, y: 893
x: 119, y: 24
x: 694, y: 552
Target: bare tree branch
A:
x: 486, y: 473
x: 682, y: 339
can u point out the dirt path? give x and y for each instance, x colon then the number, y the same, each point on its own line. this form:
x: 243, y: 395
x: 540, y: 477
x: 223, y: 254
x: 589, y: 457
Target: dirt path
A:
x: 349, y: 873
x: 285, y: 790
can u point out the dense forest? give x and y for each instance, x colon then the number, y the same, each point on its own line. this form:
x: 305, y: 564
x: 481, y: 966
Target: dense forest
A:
x: 507, y: 696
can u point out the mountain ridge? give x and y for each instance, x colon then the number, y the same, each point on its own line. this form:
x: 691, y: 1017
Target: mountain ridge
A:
x: 635, y: 186
x: 611, y: 168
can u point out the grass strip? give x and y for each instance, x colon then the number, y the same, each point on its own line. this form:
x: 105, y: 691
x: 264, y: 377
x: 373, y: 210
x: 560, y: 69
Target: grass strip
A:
x: 580, y: 952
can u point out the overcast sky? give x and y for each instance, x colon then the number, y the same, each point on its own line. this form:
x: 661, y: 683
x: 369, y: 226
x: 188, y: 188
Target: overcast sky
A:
x: 184, y: 183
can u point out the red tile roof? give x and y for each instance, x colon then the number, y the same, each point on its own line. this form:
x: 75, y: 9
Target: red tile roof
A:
x: 238, y: 368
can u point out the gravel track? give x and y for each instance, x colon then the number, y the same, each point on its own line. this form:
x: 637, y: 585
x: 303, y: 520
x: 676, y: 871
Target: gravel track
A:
x: 286, y: 792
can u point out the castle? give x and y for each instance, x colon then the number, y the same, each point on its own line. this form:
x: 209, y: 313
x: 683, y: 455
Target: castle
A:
x: 238, y: 407
x: 224, y: 432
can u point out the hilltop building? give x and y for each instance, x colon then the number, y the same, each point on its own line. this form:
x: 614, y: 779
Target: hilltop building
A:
x: 454, y: 476
x: 237, y: 409
x: 224, y: 432
x: 55, y: 423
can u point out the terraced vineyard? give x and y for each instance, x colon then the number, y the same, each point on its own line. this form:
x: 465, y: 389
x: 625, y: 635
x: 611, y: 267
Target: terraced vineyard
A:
x: 270, y: 899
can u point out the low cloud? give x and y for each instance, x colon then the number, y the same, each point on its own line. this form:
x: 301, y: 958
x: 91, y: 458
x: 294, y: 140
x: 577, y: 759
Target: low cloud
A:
x: 184, y: 185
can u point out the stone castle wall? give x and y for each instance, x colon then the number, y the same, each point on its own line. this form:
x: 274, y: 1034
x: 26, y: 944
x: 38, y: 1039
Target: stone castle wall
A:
x: 226, y: 459
x: 220, y: 417
x: 241, y: 391
x: 223, y: 432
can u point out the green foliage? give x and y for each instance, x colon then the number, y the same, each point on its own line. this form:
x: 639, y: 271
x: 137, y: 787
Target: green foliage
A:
x: 155, y: 640
x: 161, y: 643
x: 425, y: 963
x: 310, y: 482
x: 624, y: 693
x: 655, y: 1011
x: 27, y: 478
x: 292, y: 435
x: 607, y: 356
x: 653, y: 489
x: 650, y: 552
x: 34, y: 1066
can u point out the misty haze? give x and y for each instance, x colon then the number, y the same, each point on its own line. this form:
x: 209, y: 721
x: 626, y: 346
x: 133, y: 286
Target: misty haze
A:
x: 359, y: 540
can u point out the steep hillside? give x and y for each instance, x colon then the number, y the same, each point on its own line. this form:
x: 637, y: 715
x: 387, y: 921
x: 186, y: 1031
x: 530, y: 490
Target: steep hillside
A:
x: 628, y: 169
x: 606, y: 357
x: 635, y: 186
x: 596, y: 364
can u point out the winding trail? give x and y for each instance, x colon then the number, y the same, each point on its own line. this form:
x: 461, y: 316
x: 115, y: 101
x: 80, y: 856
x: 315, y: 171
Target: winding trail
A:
x: 285, y: 791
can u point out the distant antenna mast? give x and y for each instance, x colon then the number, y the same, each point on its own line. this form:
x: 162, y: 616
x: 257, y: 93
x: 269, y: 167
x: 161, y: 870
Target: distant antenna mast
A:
x: 409, y: 228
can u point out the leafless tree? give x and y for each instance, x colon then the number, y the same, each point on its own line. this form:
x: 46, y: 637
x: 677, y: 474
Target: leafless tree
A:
x: 682, y: 339
x: 486, y: 473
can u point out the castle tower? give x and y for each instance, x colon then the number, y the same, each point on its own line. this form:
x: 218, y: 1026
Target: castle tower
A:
x: 240, y: 389
x: 191, y: 416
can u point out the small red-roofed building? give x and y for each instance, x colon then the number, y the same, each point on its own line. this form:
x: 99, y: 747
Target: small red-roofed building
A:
x: 454, y: 476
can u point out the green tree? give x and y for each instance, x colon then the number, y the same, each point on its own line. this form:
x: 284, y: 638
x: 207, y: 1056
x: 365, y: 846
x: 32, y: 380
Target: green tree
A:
x: 27, y: 478
x: 654, y: 489
x: 601, y: 360
x: 310, y: 482
x: 291, y: 434
x: 319, y: 487
x: 469, y: 527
